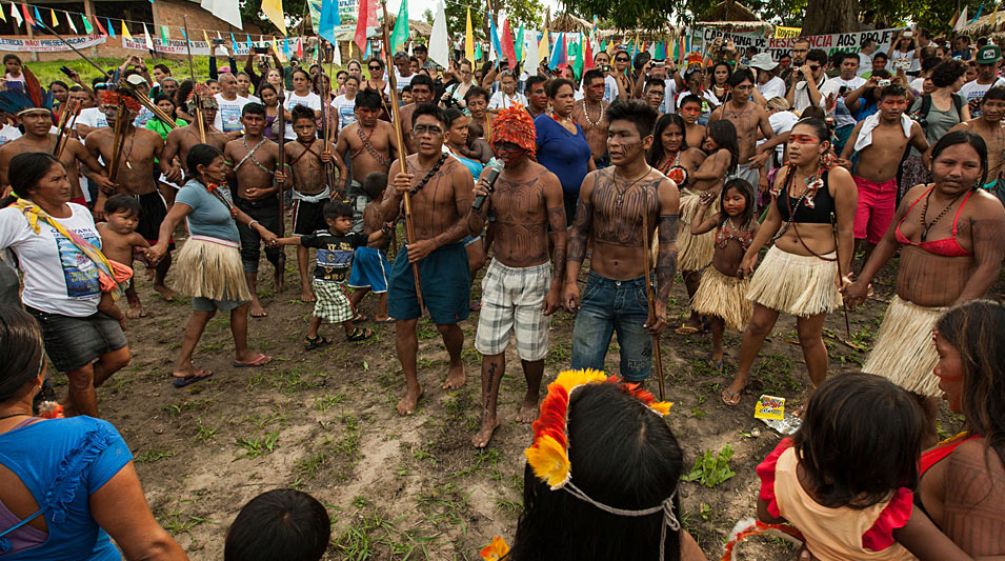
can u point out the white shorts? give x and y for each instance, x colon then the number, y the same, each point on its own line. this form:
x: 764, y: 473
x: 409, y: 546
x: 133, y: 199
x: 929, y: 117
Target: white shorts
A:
x: 513, y: 304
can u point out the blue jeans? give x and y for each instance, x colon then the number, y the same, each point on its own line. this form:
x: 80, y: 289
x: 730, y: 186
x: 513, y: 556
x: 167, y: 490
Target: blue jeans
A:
x: 608, y: 306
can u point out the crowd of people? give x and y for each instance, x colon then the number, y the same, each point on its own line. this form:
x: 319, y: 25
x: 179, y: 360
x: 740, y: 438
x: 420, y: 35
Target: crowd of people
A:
x: 587, y: 194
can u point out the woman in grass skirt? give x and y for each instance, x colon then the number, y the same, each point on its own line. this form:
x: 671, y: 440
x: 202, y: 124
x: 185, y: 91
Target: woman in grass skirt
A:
x: 799, y: 275
x: 208, y: 267
x: 722, y: 294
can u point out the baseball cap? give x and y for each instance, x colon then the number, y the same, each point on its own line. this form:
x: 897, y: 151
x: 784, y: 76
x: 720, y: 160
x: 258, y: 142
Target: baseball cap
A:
x: 989, y: 54
x: 762, y: 61
x: 136, y: 79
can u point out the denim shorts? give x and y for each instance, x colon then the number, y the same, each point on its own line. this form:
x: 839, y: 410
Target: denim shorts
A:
x: 72, y: 343
x: 608, y: 306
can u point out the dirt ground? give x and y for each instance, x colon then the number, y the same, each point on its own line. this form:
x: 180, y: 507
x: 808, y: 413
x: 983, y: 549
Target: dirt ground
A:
x: 413, y: 487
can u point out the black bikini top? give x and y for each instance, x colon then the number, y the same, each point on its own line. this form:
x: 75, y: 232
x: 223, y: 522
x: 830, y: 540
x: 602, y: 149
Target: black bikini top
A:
x: 807, y: 211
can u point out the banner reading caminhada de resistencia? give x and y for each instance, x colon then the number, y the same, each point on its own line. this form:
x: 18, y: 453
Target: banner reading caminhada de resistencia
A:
x: 702, y: 38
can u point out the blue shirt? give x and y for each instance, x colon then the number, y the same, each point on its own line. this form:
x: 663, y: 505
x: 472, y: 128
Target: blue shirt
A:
x: 210, y: 217
x: 62, y: 462
x: 565, y: 154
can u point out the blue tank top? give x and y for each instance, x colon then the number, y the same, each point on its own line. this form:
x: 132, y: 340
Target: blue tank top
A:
x: 474, y: 166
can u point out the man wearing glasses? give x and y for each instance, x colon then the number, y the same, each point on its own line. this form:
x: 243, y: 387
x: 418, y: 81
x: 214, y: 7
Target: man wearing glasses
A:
x: 441, y: 194
x: 806, y: 91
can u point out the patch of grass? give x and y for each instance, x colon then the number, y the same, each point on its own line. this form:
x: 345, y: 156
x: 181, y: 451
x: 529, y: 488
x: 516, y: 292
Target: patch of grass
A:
x: 258, y: 447
x: 444, y: 506
x: 509, y: 508
x: 697, y: 412
x: 775, y: 371
x: 178, y: 523
x: 374, y: 537
x: 325, y: 403
x: 711, y: 469
x: 203, y: 432
x: 152, y: 456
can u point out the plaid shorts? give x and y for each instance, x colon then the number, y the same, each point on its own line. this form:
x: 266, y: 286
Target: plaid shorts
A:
x: 332, y: 304
x: 513, y: 303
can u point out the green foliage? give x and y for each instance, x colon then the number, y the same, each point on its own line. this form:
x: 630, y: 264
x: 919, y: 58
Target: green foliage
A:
x: 710, y: 469
x: 530, y: 13
x: 296, y: 10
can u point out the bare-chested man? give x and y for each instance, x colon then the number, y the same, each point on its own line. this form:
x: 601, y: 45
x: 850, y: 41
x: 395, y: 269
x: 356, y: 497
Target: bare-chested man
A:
x: 368, y: 143
x: 138, y: 150
x: 254, y: 160
x: 522, y: 286
x: 589, y: 113
x: 308, y: 157
x: 182, y: 139
x: 441, y: 199
x: 991, y: 128
x: 690, y: 111
x: 749, y: 119
x: 422, y: 92
x: 614, y: 206
x: 880, y: 141
x: 37, y: 123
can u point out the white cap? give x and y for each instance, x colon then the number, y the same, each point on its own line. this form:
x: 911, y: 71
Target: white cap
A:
x: 136, y: 79
x: 762, y: 61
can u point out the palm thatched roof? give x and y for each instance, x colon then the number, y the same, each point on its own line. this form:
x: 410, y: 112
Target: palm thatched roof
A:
x: 568, y: 23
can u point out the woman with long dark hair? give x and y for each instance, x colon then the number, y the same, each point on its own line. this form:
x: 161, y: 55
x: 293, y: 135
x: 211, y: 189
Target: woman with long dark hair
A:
x: 949, y: 234
x: 810, y: 220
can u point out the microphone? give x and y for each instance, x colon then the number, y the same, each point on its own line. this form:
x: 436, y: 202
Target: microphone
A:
x: 495, y: 168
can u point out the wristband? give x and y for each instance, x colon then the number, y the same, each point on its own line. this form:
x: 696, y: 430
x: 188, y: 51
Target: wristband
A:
x: 252, y: 223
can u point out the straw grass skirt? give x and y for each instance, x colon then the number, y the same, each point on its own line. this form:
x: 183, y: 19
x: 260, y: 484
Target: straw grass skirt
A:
x: 724, y: 297
x: 211, y: 268
x: 694, y: 253
x: 798, y: 285
x: 904, y: 352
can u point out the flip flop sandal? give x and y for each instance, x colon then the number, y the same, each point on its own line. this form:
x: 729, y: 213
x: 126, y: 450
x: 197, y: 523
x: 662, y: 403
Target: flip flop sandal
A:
x: 189, y: 380
x: 359, y: 334
x: 731, y: 399
x: 311, y: 344
x: 260, y: 360
x: 359, y: 318
x: 388, y: 320
x: 687, y: 330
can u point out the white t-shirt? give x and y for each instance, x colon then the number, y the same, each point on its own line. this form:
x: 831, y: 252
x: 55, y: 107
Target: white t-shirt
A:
x: 58, y: 277
x: 311, y: 100
x: 402, y: 81
x: 500, y: 100
x: 864, y: 64
x: 92, y: 117
x: 917, y: 85
x: 907, y: 59
x: 228, y: 117
x: 346, y: 110
x: 610, y: 88
x: 781, y: 121
x: 775, y: 87
x: 801, y: 98
x: 974, y: 91
x: 9, y: 134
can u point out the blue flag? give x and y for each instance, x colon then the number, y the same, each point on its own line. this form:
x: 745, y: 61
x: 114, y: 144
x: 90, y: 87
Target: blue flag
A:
x: 329, y: 19
x: 496, y: 44
x: 109, y: 27
x: 558, y: 57
x: 233, y: 41
x: 248, y: 41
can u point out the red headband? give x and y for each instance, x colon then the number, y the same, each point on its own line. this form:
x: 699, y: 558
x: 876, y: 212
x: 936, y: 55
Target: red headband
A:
x: 109, y: 97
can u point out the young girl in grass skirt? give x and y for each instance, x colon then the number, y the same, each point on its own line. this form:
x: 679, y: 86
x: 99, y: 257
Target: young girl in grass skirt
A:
x: 722, y: 295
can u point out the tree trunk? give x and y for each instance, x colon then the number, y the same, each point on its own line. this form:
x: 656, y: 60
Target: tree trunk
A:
x: 830, y: 16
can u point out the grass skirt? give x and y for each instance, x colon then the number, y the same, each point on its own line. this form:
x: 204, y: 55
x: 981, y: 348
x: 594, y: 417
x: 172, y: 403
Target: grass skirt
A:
x: 212, y: 269
x: 694, y: 253
x: 904, y: 352
x: 798, y: 285
x: 724, y: 297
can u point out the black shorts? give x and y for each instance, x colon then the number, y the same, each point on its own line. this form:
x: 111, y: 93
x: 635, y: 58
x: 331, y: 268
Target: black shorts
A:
x: 72, y: 343
x: 153, y: 211
x: 266, y: 212
x: 308, y: 217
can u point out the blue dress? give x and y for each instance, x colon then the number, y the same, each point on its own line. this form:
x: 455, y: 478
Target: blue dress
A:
x: 62, y: 462
x: 565, y: 154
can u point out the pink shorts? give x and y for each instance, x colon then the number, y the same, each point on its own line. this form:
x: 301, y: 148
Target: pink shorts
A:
x: 877, y: 205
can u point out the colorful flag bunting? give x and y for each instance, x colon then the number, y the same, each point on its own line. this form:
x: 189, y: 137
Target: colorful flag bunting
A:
x: 125, y: 31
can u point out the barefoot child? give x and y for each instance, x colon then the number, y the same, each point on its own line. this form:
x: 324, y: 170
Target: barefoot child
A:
x: 722, y: 294
x: 845, y: 479
x: 370, y: 265
x: 334, y: 257
x: 120, y: 242
x: 694, y: 253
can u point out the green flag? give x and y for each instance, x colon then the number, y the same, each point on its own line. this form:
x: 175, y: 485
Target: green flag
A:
x: 165, y: 36
x: 478, y: 51
x: 518, y: 48
x: 400, y: 34
x: 87, y: 25
x: 576, y: 53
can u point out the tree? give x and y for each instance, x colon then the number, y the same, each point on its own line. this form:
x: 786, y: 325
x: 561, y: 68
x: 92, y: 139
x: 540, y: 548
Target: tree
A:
x: 295, y: 12
x: 529, y: 13
x: 830, y: 16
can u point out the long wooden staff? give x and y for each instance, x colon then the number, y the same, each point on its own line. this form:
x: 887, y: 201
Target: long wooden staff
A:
x: 837, y: 254
x: 281, y: 161
x: 399, y: 136
x: 68, y: 111
x: 191, y: 70
x: 650, y: 297
x: 117, y: 141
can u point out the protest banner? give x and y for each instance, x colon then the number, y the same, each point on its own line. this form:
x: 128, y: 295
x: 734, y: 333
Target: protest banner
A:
x: 702, y: 38
x: 51, y: 45
x: 786, y: 32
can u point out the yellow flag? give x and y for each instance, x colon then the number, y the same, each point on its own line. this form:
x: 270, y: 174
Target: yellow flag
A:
x: 208, y: 44
x: 125, y: 31
x: 3, y: 17
x: 55, y: 22
x: 544, y: 47
x: 469, y: 40
x: 273, y: 9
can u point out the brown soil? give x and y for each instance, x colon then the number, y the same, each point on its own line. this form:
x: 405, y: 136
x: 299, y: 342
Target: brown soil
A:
x: 407, y: 488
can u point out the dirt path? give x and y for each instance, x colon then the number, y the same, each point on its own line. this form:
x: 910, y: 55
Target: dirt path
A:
x: 404, y: 488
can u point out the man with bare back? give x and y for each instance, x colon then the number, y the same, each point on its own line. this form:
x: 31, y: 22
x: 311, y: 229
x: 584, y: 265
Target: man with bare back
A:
x: 618, y: 212
x: 441, y: 194
x: 991, y: 128
x: 589, y: 113
x: 37, y: 122
x: 368, y: 143
x: 254, y: 159
x: 137, y: 151
x: 422, y: 92
x: 880, y: 141
x: 308, y: 157
x: 749, y: 118
x: 182, y: 139
x: 522, y: 286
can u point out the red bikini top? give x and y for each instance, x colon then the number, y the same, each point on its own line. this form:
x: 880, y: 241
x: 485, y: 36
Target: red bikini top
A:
x: 931, y: 457
x: 947, y: 247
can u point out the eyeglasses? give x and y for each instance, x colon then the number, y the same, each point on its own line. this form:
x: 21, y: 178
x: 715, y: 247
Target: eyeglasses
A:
x: 814, y: 68
x: 427, y: 129
x: 374, y: 67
